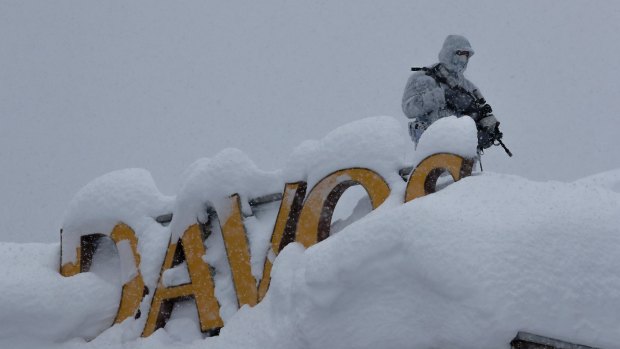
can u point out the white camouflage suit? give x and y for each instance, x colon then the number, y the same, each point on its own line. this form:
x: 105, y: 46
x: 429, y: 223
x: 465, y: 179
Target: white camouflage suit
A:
x: 426, y: 100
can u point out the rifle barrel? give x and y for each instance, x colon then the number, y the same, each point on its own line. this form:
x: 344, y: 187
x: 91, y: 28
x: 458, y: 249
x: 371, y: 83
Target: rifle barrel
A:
x: 505, y: 148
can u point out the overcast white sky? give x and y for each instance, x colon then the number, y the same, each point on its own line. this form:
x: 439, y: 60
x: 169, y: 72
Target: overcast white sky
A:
x: 88, y: 87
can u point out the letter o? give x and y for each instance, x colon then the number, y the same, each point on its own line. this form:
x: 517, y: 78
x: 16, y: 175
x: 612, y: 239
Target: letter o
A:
x: 316, y: 214
x: 423, y: 179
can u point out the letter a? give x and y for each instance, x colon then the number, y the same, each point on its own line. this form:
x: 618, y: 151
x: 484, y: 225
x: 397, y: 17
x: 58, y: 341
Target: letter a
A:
x: 191, y: 248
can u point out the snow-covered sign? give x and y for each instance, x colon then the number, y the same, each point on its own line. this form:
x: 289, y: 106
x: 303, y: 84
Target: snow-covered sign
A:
x: 466, y: 267
x: 301, y: 218
x: 220, y: 244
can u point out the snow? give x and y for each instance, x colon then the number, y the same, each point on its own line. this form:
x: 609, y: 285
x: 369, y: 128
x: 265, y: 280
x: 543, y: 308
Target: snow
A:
x: 176, y: 276
x: 213, y: 181
x: 129, y: 196
x: 128, y: 268
x: 465, y: 267
x: 378, y: 143
x: 38, y: 303
x: 609, y: 180
x: 448, y: 135
x: 224, y: 288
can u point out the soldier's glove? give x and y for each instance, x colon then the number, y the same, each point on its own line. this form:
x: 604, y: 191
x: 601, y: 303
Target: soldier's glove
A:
x: 485, y: 110
x: 478, y: 110
x: 488, y: 131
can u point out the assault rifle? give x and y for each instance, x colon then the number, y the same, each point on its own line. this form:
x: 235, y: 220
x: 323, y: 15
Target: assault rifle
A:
x: 487, y: 138
x: 480, y: 108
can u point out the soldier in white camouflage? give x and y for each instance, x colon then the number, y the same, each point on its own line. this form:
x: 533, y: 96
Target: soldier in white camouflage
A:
x: 442, y: 90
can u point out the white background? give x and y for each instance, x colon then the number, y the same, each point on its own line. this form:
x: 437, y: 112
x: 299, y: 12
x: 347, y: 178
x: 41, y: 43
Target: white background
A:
x: 87, y: 87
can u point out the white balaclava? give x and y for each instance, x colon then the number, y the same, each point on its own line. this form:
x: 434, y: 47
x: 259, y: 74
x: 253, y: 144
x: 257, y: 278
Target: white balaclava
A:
x: 448, y: 55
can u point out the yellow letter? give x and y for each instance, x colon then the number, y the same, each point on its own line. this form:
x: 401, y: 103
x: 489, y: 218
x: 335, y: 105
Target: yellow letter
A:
x: 284, y: 227
x: 316, y: 214
x: 200, y: 287
x: 238, y: 251
x: 133, y: 290
x: 424, y: 177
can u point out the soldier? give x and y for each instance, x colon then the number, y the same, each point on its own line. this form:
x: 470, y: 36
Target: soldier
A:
x: 442, y: 90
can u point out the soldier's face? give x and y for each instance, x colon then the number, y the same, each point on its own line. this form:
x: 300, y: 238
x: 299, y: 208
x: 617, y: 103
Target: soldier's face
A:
x: 460, y: 60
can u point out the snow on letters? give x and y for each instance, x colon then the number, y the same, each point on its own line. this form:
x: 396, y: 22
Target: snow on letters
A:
x: 220, y: 235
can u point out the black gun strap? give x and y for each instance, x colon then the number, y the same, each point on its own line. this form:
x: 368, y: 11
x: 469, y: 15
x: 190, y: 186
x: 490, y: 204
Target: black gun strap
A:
x: 433, y: 72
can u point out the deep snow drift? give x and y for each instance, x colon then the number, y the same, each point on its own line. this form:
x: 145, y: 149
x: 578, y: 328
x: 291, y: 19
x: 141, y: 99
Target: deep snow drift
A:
x: 466, y: 267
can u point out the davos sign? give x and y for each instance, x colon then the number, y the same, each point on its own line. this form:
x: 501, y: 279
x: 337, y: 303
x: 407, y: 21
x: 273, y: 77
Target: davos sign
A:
x: 304, y: 216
